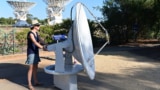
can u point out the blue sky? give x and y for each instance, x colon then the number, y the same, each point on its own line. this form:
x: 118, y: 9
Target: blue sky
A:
x: 39, y: 10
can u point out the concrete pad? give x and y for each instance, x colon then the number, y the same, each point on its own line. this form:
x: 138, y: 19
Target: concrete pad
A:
x: 8, y: 85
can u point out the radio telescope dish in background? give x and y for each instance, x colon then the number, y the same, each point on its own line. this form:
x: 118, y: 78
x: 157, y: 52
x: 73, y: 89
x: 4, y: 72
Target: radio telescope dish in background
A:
x: 77, y: 45
x: 54, y: 10
x: 21, y: 8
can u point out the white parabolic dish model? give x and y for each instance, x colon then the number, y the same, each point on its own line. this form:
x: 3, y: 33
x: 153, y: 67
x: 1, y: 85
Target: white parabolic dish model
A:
x: 78, y: 45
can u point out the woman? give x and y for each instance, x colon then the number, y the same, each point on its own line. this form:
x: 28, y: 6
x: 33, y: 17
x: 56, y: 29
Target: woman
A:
x: 33, y: 58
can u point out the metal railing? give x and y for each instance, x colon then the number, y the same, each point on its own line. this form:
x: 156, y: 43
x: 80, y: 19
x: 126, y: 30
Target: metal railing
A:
x: 7, y: 43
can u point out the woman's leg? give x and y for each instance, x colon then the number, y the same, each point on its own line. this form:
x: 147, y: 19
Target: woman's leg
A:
x: 30, y: 70
x: 35, y: 68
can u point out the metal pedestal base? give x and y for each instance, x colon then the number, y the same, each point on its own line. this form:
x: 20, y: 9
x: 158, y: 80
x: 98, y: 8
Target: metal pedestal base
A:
x: 66, y: 82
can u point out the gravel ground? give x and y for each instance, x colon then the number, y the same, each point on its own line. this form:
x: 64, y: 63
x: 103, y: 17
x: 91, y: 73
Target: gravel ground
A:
x: 125, y: 67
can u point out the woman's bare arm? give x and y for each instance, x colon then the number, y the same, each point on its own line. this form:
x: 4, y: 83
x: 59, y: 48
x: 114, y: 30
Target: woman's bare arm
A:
x: 35, y: 42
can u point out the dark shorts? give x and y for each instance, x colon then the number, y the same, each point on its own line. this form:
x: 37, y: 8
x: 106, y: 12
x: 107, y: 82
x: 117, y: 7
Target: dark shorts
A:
x: 33, y: 59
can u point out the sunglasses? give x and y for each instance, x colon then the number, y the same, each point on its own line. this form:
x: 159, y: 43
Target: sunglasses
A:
x: 37, y: 25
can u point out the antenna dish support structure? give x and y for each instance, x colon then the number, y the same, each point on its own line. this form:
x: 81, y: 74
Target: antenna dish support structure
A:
x: 54, y: 10
x: 21, y: 8
x: 64, y: 71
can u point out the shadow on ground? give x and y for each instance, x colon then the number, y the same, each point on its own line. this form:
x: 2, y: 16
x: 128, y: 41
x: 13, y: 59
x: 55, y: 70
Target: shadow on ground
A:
x: 145, y: 78
x: 48, y: 58
x: 16, y: 73
x: 151, y: 52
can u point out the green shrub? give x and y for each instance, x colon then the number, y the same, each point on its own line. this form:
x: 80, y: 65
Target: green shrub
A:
x: 21, y: 37
x: 46, y: 33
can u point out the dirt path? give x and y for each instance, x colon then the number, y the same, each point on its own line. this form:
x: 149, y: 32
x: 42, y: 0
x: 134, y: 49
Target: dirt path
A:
x: 117, y: 68
x: 127, y: 73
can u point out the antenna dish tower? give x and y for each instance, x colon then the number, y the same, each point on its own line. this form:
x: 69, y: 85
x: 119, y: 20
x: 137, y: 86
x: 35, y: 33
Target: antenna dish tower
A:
x: 21, y: 8
x: 54, y: 10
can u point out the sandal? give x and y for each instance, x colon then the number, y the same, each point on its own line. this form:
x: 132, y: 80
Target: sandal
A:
x: 30, y: 87
x: 38, y: 84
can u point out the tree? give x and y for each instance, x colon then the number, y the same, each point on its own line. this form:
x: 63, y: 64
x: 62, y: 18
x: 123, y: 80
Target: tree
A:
x: 122, y: 14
